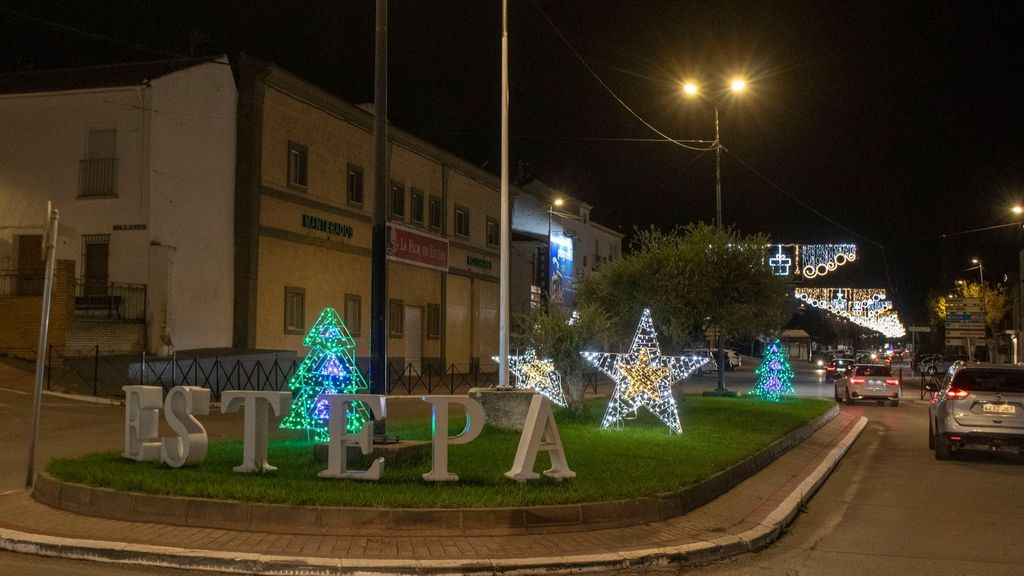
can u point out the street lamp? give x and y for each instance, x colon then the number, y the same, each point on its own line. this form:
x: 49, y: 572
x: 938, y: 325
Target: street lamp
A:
x: 981, y: 270
x: 691, y: 89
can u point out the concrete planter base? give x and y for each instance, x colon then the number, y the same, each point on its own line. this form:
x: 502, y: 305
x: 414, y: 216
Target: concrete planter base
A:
x: 281, y: 518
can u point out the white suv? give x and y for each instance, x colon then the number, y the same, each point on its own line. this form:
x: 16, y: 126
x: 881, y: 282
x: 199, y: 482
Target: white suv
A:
x: 979, y: 407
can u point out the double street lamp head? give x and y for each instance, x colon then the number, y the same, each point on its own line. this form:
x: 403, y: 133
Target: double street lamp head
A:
x: 736, y: 85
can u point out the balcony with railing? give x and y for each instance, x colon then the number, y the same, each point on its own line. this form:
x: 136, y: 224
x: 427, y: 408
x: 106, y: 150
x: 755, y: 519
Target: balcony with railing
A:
x: 112, y: 300
x: 21, y: 283
x: 97, y: 177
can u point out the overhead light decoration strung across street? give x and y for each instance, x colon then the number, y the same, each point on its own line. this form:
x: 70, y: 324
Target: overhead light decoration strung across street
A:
x: 808, y: 260
x: 865, y: 307
x: 643, y: 377
x: 820, y: 259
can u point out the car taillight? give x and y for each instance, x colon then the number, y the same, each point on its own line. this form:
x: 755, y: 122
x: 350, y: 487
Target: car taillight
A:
x: 957, y: 394
x: 893, y: 382
x: 856, y: 380
x: 831, y: 369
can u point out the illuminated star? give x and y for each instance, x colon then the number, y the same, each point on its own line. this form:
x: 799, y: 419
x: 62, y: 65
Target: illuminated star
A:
x: 643, y: 377
x: 540, y: 375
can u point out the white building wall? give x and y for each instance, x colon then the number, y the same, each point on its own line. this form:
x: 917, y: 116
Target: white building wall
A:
x: 175, y: 188
x: 192, y: 116
x: 44, y: 139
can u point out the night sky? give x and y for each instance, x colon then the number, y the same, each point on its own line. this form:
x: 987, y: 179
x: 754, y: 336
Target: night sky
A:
x: 885, y: 124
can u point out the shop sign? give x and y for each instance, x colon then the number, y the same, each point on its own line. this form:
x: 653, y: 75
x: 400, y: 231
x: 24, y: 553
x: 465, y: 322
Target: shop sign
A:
x: 477, y: 262
x: 412, y: 247
x: 128, y: 227
x: 328, y: 226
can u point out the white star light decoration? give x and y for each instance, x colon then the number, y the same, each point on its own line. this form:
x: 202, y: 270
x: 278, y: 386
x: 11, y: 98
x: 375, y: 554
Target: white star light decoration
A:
x: 532, y: 372
x: 643, y: 377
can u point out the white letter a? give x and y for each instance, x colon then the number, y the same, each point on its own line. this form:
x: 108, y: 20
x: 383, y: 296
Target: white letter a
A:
x: 539, y: 433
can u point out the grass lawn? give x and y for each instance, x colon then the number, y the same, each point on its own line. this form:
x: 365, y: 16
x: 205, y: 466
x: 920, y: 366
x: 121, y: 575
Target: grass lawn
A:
x: 642, y: 458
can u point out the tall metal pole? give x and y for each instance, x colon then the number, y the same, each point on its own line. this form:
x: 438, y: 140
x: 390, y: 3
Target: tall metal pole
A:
x: 44, y: 327
x: 718, y: 174
x: 379, y: 266
x: 503, y: 328
x: 720, y: 388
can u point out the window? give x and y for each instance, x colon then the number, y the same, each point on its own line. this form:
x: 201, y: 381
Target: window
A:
x: 493, y: 237
x: 97, y: 173
x: 416, y: 208
x: 396, y: 318
x: 294, y: 310
x: 354, y: 313
x: 397, y: 200
x: 297, y: 166
x: 355, y: 185
x: 95, y: 260
x: 462, y: 221
x: 433, y: 321
x: 435, y: 213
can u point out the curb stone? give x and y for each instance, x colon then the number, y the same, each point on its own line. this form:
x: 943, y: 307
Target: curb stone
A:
x: 769, y: 530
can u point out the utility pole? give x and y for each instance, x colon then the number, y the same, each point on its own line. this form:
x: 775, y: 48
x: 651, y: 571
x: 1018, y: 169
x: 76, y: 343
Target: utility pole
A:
x: 379, y: 266
x: 504, y: 228
x: 44, y: 326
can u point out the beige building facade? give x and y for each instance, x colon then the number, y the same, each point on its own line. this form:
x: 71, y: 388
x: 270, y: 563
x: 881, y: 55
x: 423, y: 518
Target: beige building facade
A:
x: 303, y: 223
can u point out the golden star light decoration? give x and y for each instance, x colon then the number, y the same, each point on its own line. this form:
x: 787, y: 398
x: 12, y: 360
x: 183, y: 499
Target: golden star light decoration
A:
x: 538, y: 374
x: 643, y: 378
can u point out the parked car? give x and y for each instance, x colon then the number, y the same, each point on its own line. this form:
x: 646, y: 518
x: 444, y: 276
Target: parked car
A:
x: 868, y: 382
x: 921, y: 359
x: 702, y: 353
x: 732, y: 360
x: 837, y: 367
x: 977, y: 407
x: 940, y: 364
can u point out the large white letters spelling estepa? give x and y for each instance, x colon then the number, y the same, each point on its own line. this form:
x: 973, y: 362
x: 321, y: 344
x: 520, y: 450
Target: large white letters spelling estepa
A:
x: 189, y: 444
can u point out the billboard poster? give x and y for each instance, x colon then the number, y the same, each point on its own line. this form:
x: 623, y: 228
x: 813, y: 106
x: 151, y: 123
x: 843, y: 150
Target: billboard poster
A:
x: 561, y: 290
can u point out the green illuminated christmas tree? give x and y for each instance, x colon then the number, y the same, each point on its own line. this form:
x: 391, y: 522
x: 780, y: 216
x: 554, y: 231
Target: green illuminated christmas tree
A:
x: 774, y: 375
x: 329, y: 368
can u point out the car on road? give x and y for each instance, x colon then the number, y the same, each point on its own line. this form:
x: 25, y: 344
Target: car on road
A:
x: 837, y: 367
x: 868, y: 382
x: 939, y: 364
x: 977, y: 407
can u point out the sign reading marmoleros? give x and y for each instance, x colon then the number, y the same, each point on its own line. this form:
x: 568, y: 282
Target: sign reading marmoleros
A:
x: 477, y: 262
x: 412, y: 247
x: 328, y: 226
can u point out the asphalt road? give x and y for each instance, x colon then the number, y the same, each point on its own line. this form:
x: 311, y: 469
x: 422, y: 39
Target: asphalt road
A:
x: 889, y: 507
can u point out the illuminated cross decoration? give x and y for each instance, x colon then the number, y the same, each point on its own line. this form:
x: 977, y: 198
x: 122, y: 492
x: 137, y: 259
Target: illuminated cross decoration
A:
x: 780, y: 263
x: 643, y: 377
x: 540, y: 375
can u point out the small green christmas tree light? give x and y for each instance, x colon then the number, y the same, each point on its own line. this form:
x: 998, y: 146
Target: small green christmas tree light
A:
x: 774, y: 375
x: 329, y: 368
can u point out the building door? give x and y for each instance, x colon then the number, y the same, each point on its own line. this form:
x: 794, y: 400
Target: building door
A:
x: 96, y: 257
x: 413, y: 325
x: 30, y: 265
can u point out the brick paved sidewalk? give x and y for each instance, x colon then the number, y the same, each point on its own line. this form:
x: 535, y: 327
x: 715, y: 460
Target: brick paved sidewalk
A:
x: 759, y: 506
